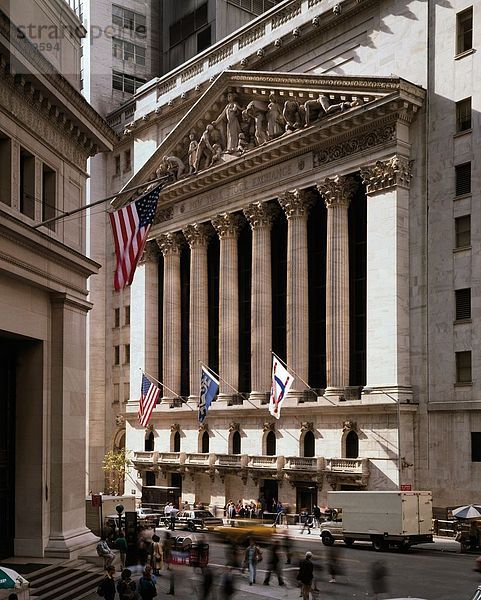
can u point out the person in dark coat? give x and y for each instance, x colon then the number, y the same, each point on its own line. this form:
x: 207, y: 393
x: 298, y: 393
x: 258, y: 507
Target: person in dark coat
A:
x: 107, y: 585
x: 274, y: 564
x: 306, y: 575
x: 147, y: 584
x: 227, y: 583
x: 378, y: 578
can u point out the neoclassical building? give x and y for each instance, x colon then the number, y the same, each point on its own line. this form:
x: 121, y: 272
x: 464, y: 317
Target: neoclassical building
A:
x: 321, y: 210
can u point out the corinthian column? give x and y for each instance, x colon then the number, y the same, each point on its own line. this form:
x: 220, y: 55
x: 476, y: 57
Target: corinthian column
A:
x: 259, y: 215
x: 227, y: 228
x: 296, y: 205
x: 170, y: 245
x: 197, y: 236
x: 337, y: 194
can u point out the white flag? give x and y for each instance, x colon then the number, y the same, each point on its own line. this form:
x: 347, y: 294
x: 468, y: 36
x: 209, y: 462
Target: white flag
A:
x: 281, y: 384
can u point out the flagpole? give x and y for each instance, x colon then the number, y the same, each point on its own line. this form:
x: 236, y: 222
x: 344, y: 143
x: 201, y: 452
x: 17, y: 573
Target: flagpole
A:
x: 167, y: 388
x: 291, y: 369
x: 227, y: 383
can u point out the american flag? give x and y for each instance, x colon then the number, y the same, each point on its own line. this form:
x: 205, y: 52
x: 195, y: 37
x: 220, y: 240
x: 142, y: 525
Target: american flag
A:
x: 149, y: 394
x: 130, y: 226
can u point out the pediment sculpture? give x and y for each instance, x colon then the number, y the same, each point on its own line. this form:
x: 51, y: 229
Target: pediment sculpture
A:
x: 241, y: 122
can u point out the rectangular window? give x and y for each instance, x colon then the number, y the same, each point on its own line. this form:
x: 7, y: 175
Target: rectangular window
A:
x: 127, y: 160
x: 49, y: 192
x: 462, y: 226
x: 463, y: 304
x: 203, y: 40
x: 127, y: 354
x: 127, y: 315
x: 5, y: 169
x: 464, y: 30
x: 126, y: 83
x: 126, y: 392
x: 116, y: 392
x: 116, y: 317
x: 27, y: 183
x: 128, y: 51
x: 463, y: 115
x: 463, y: 179
x: 116, y: 355
x: 476, y: 446
x: 117, y: 164
x: 129, y: 19
x: 463, y: 367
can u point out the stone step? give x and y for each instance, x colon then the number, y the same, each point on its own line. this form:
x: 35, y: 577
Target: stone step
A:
x: 66, y: 581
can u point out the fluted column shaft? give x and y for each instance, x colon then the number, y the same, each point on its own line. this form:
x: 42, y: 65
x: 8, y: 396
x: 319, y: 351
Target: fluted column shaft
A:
x: 259, y: 215
x: 337, y: 195
x: 227, y: 228
x: 197, y: 237
x: 296, y: 205
x: 170, y: 246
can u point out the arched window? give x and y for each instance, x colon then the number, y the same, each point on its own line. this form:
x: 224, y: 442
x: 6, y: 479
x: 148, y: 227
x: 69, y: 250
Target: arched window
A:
x: 236, y: 443
x: 309, y: 444
x: 176, y: 442
x: 271, y: 444
x: 149, y: 442
x: 205, y: 443
x: 352, y: 445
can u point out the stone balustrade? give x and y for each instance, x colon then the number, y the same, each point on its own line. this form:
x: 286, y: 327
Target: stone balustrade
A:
x: 145, y: 459
x: 343, y: 465
x: 304, y: 463
x: 266, y: 462
x: 171, y: 458
x: 231, y: 460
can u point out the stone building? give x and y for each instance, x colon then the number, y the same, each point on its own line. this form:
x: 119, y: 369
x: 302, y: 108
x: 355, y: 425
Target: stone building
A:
x: 47, y: 133
x: 339, y: 231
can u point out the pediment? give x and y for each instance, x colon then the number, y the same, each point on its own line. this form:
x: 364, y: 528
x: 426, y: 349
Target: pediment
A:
x: 246, y: 118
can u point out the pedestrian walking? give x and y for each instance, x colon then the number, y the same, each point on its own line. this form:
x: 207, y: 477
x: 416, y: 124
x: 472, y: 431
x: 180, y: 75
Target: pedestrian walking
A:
x: 156, y: 559
x: 147, y: 584
x: 378, y: 576
x: 316, y: 513
x: 280, y: 513
x: 227, y: 587
x: 105, y: 552
x: 306, y: 520
x: 306, y: 575
x: 252, y: 557
x: 333, y: 566
x: 207, y: 583
x: 173, y: 515
x: 106, y: 588
x: 126, y: 586
x: 274, y: 564
x: 287, y: 545
x: 121, y: 545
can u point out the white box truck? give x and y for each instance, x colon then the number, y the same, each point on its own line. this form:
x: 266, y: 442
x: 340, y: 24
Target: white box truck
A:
x: 397, y: 519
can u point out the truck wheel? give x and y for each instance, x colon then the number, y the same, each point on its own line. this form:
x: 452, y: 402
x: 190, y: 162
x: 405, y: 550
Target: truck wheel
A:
x: 327, y: 539
x: 378, y: 544
x: 190, y: 526
x: 348, y: 541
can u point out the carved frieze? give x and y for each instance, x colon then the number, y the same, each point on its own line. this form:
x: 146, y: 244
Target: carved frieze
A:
x: 175, y: 427
x: 164, y: 214
x: 169, y: 243
x: 120, y: 421
x: 267, y: 426
x: 197, y: 234
x: 337, y: 191
x: 297, y: 203
x: 307, y: 426
x: 203, y: 427
x: 234, y: 427
x: 260, y: 214
x: 385, y: 174
x: 349, y: 425
x: 227, y: 225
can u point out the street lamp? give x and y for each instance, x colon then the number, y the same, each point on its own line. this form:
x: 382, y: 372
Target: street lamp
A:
x: 368, y: 391
x: 120, y: 509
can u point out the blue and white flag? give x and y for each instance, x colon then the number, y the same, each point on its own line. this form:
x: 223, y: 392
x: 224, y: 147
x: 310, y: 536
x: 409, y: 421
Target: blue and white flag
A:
x: 209, y: 386
x: 281, y: 384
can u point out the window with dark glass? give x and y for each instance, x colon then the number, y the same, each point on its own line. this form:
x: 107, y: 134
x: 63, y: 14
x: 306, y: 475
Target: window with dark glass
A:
x: 49, y: 193
x: 126, y: 83
x: 116, y: 355
x: 27, y: 183
x: 463, y: 115
x: 462, y: 227
x: 127, y: 160
x: 476, y: 446
x: 204, y: 39
x: 149, y: 442
x: 176, y: 442
x: 464, y: 30
x: 271, y: 444
x: 5, y: 169
x: 127, y: 315
x: 129, y: 19
x: 463, y: 304
x: 236, y: 443
x: 463, y: 367
x: 352, y: 445
x: 205, y: 443
x: 149, y: 478
x: 127, y: 354
x: 309, y: 444
x: 117, y: 164
x: 463, y: 179
x: 116, y: 317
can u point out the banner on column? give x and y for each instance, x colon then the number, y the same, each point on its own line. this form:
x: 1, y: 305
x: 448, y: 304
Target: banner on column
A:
x: 281, y: 384
x: 209, y: 386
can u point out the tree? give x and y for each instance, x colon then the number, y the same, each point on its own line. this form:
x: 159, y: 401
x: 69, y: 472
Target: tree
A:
x: 115, y: 464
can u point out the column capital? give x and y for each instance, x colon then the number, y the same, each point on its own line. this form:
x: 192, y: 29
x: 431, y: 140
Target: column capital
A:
x: 227, y: 225
x: 197, y: 234
x: 169, y: 243
x: 260, y: 214
x: 338, y: 190
x: 150, y: 253
x: 384, y: 174
x: 296, y: 203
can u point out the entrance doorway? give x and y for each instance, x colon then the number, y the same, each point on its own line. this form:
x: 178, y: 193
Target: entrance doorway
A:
x: 306, y: 496
x: 176, y: 481
x: 269, y: 491
x: 7, y: 449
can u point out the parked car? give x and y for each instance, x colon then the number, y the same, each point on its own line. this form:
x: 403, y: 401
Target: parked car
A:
x: 194, y: 519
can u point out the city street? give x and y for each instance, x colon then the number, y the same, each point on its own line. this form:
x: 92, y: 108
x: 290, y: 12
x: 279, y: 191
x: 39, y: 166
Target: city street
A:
x: 421, y: 573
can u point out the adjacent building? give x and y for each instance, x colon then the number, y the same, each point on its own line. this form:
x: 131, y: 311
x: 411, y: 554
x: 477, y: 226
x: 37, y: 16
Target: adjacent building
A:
x: 47, y: 133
